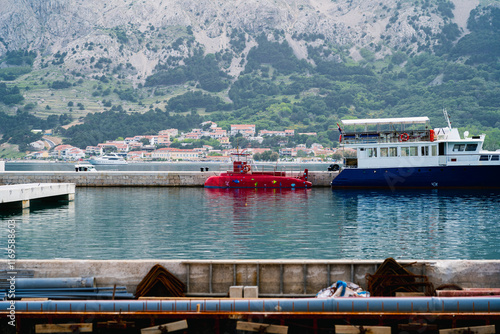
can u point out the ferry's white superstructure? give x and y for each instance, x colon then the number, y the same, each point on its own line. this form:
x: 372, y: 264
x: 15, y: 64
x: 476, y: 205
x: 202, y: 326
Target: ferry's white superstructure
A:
x: 404, y: 152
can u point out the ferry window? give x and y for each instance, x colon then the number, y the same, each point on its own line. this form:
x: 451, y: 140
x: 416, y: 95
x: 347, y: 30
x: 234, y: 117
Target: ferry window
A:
x: 424, y: 150
x: 458, y: 147
x: 384, y: 152
x: 483, y: 158
x: 471, y: 147
x: 405, y: 151
x: 372, y: 152
x: 434, y: 150
x: 414, y: 151
x: 393, y: 151
x: 495, y: 157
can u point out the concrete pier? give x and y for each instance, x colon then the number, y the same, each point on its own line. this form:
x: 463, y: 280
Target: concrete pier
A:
x: 274, y: 278
x: 132, y: 178
x: 21, y: 194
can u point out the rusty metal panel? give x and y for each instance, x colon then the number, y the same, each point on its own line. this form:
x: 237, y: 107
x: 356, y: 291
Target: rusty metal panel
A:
x: 222, y: 277
x: 198, y: 277
x: 269, y: 276
x: 293, y: 279
x: 317, y: 278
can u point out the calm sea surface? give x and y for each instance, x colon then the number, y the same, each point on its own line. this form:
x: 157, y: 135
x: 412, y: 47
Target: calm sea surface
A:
x: 198, y: 223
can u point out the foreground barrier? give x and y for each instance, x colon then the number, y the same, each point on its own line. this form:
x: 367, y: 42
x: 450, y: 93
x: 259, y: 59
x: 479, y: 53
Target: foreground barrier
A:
x: 456, y: 305
x: 299, y: 315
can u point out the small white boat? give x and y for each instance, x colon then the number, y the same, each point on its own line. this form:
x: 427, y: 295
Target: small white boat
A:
x: 85, y: 168
x: 109, y: 159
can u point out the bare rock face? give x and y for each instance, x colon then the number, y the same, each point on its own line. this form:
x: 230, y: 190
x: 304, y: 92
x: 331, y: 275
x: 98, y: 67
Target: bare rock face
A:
x: 150, y: 26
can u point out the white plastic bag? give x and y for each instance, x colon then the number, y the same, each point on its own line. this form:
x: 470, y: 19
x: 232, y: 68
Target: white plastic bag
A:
x: 342, y: 289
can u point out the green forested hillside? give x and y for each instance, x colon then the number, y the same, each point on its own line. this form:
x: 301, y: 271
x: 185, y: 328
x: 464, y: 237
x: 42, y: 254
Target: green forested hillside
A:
x: 276, y: 90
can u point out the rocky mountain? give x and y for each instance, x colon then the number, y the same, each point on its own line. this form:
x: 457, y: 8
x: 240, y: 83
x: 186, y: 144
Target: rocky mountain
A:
x: 142, y: 32
x: 97, y: 70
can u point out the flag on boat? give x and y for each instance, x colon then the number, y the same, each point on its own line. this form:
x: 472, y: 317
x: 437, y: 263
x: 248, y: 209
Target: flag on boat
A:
x: 340, y: 131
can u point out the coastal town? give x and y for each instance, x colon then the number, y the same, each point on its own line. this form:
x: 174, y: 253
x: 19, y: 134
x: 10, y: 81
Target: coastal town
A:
x: 142, y: 148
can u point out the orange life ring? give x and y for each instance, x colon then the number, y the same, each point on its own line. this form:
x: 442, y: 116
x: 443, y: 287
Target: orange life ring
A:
x: 247, y: 168
x: 431, y: 135
x: 404, y: 137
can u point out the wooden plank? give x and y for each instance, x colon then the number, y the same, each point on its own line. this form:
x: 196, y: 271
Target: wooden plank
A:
x: 262, y: 328
x: 347, y: 329
x: 170, y: 327
x: 112, y: 324
x: 421, y: 327
x: 470, y: 330
x: 33, y: 299
x: 64, y: 328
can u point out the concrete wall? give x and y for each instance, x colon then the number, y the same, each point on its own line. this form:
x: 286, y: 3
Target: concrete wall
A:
x: 132, y: 178
x: 274, y: 277
x: 29, y: 191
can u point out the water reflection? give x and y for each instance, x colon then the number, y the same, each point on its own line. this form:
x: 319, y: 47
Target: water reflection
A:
x: 424, y: 224
x: 256, y: 218
x: 15, y: 211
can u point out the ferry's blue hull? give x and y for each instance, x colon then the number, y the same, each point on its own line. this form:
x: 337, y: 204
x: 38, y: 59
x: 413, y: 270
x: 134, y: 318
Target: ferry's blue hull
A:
x: 421, y: 177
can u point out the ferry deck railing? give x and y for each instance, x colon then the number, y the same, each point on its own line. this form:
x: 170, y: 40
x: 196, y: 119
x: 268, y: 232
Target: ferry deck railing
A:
x: 366, y: 137
x: 288, y: 170
x: 465, y: 158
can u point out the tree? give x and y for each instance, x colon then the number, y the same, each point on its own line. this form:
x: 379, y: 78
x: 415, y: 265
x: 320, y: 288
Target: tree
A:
x: 301, y: 154
x: 266, y: 156
x: 214, y: 154
x: 61, y: 84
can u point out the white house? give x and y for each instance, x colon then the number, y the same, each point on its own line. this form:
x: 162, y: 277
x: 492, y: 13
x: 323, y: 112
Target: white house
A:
x: 247, y: 130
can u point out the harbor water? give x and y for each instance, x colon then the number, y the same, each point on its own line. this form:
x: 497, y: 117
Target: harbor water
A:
x: 198, y: 223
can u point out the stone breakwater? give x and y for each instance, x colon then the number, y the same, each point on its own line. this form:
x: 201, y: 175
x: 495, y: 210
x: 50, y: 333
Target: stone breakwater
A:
x: 132, y: 178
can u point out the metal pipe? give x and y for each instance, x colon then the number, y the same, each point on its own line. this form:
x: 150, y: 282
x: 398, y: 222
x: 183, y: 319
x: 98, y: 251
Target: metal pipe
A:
x: 258, y: 276
x: 281, y: 278
x: 210, y: 279
x: 188, y: 272
x: 64, y: 282
x: 305, y: 278
x: 118, y: 288
x: 329, y: 275
x: 234, y: 273
x: 377, y: 305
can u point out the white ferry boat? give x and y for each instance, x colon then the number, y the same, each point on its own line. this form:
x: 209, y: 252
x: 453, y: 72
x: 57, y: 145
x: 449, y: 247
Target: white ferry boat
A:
x: 109, y: 159
x: 404, y: 156
x: 85, y: 168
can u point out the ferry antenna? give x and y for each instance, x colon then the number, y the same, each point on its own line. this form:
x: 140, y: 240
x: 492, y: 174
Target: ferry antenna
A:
x: 447, y: 118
